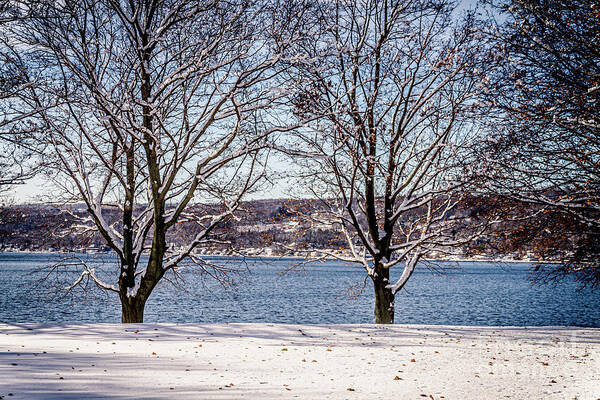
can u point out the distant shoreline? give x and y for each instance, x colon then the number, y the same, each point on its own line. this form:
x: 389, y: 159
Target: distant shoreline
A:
x: 255, y: 255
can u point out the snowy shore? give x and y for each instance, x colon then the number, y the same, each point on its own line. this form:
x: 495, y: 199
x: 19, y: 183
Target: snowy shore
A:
x: 258, y: 254
x: 273, y: 361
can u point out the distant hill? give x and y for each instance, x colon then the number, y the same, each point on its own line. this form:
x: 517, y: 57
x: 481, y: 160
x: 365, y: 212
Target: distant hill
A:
x: 262, y: 227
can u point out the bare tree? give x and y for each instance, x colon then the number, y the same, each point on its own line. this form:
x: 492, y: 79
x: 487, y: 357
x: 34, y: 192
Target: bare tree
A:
x: 542, y: 115
x: 389, y: 91
x: 18, y: 155
x: 150, y: 106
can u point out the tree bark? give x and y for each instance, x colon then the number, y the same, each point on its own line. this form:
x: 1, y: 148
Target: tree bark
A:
x: 132, y: 310
x: 384, y: 298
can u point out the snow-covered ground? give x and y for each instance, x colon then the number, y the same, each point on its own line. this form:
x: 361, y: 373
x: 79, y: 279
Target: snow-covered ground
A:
x: 272, y: 361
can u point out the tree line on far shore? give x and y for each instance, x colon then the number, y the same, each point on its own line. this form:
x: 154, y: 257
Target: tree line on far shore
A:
x: 394, y: 116
x: 275, y: 227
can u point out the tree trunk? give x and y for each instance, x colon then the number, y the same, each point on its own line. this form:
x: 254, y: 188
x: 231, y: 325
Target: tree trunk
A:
x: 384, y: 298
x: 132, y: 307
x: 132, y: 310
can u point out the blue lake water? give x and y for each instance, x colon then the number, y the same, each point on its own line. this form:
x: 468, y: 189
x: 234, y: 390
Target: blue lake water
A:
x: 467, y: 293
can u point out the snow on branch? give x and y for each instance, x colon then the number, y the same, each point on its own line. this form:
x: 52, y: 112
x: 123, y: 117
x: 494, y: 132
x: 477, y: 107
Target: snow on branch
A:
x: 91, y: 274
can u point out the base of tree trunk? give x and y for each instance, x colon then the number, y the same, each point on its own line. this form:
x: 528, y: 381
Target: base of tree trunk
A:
x: 132, y: 311
x: 384, y: 304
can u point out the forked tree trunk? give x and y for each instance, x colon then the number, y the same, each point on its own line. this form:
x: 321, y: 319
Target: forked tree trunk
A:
x: 384, y: 298
x: 132, y: 309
